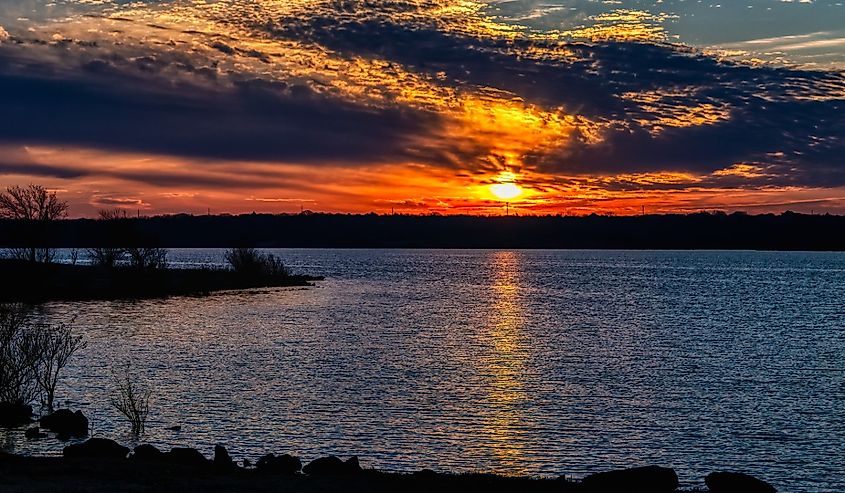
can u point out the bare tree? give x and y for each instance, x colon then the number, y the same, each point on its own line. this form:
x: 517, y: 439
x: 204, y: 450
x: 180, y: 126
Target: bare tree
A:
x: 106, y: 256
x: 19, y: 356
x: 109, y: 256
x: 57, y: 343
x: 147, y: 258
x: 74, y: 255
x: 112, y: 214
x: 34, y: 204
x: 132, y: 400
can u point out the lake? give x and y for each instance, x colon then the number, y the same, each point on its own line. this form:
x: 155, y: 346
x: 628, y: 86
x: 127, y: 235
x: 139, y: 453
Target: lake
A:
x: 517, y: 362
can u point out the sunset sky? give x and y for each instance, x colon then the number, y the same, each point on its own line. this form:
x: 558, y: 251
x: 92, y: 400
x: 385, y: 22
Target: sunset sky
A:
x: 449, y: 106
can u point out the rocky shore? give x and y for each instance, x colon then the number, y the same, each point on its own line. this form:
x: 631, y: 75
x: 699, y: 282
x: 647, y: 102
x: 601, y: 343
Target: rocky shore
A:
x: 99, y: 465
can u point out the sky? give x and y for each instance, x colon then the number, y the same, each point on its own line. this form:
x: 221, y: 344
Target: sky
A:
x: 426, y: 106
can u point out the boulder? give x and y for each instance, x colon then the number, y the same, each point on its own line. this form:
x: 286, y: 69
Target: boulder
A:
x: 147, y: 453
x: 222, y: 459
x: 14, y: 415
x: 96, y: 448
x: 649, y: 479
x: 352, y: 464
x: 332, y: 466
x: 282, y: 464
x: 736, y: 482
x: 34, y: 432
x: 186, y: 457
x: 66, y: 423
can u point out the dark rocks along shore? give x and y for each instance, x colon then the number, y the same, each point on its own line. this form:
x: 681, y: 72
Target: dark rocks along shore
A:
x: 99, y: 465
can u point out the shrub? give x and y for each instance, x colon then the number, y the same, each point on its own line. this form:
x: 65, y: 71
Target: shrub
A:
x: 251, y: 262
x: 32, y: 356
x: 147, y: 258
x: 56, y: 344
x: 131, y: 399
x: 106, y: 256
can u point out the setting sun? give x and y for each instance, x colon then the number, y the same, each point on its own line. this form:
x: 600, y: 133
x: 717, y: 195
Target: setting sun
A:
x: 506, y: 191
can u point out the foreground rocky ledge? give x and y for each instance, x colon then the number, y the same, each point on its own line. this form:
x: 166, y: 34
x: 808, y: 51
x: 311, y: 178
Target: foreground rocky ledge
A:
x: 104, y: 465
x: 34, y: 283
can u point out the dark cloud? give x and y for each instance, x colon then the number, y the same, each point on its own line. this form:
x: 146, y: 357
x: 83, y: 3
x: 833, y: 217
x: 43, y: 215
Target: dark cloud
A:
x: 767, y: 109
x: 126, y: 107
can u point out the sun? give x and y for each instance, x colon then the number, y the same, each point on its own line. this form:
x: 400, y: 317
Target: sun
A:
x: 506, y: 191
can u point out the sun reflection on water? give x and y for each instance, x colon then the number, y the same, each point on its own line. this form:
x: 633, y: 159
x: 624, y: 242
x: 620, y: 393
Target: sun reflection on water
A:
x: 506, y: 364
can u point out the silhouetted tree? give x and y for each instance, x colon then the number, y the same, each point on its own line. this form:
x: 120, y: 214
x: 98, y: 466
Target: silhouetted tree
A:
x: 147, y: 258
x: 19, y: 356
x: 74, y: 256
x: 110, y: 256
x: 37, y: 206
x: 32, y: 356
x: 106, y: 256
x: 111, y: 214
x: 56, y: 344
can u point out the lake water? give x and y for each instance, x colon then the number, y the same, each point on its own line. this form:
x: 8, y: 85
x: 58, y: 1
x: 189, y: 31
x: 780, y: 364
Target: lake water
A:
x: 518, y: 362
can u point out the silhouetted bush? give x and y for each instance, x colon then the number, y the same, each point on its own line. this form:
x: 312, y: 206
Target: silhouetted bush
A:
x: 106, y: 256
x: 19, y: 355
x: 56, y: 345
x: 132, y: 399
x: 147, y: 258
x: 32, y: 356
x: 251, y: 262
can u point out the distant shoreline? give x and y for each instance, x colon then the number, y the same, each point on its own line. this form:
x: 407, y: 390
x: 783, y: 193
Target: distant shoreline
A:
x: 701, y: 231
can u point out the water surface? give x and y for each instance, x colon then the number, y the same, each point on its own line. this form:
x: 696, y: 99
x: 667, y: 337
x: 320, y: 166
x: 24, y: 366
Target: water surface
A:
x: 518, y: 362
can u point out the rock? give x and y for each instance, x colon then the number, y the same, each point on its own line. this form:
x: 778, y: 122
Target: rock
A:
x: 96, y: 448
x: 736, y: 482
x: 332, y: 466
x: 174, y: 428
x: 66, y: 423
x: 649, y: 479
x: 147, y: 453
x: 35, y: 432
x: 14, y: 415
x: 247, y: 463
x: 283, y: 464
x: 186, y: 457
x: 222, y: 459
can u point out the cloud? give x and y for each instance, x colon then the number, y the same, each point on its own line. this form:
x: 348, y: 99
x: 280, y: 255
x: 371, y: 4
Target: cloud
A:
x: 359, y: 84
x: 659, y: 107
x: 118, y: 202
x: 115, y: 107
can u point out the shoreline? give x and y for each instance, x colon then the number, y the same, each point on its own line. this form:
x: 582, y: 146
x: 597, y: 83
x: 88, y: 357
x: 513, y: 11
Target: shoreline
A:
x: 99, y: 465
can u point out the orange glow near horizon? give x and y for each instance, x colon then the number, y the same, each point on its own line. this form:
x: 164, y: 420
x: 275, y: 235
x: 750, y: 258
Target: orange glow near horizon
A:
x: 111, y: 180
